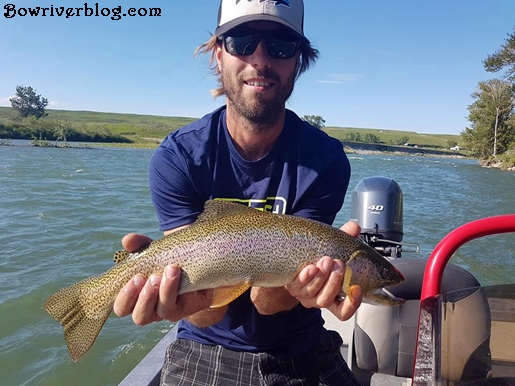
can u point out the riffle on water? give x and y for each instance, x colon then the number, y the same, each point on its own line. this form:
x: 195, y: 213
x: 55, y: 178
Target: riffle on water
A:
x: 63, y: 213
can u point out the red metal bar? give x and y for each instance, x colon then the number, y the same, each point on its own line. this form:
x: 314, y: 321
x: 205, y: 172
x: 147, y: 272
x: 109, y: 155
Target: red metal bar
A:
x: 442, y: 253
x: 449, y: 244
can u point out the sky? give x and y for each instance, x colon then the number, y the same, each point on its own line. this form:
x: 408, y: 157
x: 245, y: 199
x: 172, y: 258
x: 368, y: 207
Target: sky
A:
x: 399, y: 64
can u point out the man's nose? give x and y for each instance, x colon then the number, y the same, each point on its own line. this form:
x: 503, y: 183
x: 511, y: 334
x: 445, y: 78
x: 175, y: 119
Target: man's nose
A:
x: 260, y: 57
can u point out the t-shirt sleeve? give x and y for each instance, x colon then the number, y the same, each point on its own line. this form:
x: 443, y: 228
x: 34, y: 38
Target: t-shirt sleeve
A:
x: 324, y: 198
x: 173, y: 194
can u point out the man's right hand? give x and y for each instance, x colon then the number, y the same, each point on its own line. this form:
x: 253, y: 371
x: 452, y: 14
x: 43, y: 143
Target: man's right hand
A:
x: 154, y: 299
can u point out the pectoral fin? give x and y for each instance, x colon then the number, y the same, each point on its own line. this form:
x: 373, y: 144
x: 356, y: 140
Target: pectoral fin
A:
x: 224, y: 295
x: 347, y: 280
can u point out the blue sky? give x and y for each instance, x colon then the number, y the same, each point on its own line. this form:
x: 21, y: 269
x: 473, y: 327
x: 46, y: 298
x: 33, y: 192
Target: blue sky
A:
x: 398, y: 64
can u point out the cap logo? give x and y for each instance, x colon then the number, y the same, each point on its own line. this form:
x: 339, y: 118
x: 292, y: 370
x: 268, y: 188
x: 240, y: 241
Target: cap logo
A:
x: 287, y: 3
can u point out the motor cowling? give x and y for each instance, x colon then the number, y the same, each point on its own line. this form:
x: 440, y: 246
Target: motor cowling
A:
x: 376, y: 206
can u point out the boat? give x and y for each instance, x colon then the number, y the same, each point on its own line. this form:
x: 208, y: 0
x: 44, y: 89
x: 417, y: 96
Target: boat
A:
x: 451, y: 331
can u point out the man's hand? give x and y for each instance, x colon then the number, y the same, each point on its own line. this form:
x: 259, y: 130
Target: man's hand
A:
x: 154, y: 299
x: 318, y: 285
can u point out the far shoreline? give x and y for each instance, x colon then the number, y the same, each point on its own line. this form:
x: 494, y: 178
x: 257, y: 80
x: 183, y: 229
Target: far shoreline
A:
x: 373, y: 148
x: 349, y: 147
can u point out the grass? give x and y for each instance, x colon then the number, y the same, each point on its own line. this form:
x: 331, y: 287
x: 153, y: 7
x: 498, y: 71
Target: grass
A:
x: 391, y: 136
x: 148, y: 130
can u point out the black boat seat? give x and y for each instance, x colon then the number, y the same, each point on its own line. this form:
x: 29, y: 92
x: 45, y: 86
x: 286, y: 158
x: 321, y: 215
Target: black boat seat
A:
x: 384, y: 337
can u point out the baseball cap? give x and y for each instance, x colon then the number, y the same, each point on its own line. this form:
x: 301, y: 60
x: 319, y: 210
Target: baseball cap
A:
x: 289, y: 13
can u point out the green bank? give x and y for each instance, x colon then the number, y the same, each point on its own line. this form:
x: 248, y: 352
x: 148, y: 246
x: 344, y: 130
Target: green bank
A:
x: 134, y: 130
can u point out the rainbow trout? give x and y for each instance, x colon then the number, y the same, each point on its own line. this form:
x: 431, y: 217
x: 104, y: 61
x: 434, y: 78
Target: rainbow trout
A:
x: 231, y: 247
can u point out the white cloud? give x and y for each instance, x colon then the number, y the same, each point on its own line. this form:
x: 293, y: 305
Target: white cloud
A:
x: 52, y: 104
x: 340, y: 78
x: 58, y: 105
x: 6, y: 101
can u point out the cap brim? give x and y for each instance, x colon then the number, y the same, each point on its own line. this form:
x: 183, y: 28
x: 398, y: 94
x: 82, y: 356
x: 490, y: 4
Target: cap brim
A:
x: 245, y: 19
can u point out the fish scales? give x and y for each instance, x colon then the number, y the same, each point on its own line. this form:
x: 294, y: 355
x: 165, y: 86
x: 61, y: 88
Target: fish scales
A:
x: 229, y: 246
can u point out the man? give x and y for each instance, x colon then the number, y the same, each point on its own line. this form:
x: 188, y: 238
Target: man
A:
x: 255, y: 152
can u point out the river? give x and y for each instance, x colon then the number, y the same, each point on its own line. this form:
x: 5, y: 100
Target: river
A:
x: 63, y: 213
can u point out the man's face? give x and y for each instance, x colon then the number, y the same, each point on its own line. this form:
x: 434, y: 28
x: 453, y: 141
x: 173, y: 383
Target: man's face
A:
x: 257, y: 86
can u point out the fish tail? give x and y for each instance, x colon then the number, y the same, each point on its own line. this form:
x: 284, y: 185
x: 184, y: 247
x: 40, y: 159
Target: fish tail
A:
x: 80, y: 318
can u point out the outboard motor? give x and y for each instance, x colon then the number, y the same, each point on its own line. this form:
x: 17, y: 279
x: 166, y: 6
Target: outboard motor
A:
x: 377, y: 207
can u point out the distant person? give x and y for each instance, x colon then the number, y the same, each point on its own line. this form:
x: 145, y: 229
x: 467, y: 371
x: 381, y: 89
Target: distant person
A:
x: 256, y: 152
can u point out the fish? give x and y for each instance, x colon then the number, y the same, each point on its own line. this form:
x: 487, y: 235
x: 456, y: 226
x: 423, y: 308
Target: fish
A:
x: 229, y: 248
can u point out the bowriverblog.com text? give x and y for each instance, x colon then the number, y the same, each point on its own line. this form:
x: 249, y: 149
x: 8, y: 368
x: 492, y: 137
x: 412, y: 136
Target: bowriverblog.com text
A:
x: 115, y: 13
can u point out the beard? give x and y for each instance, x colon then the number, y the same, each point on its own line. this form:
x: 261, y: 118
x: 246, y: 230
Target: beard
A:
x: 258, y: 108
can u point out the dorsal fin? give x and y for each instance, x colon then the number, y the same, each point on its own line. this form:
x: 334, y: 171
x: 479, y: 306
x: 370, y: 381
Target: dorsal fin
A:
x: 120, y: 256
x: 216, y: 209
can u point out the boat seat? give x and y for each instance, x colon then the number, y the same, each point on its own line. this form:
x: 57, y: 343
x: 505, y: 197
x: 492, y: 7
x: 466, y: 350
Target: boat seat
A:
x: 383, y: 343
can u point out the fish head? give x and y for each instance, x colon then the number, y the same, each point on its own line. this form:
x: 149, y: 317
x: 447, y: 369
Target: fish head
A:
x: 390, y: 275
x: 372, y: 272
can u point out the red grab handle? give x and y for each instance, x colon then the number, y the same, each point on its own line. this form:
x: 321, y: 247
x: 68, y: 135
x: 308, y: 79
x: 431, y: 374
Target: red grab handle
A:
x: 449, y: 244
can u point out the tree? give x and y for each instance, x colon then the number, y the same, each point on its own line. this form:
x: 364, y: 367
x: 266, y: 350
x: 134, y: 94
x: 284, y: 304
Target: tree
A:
x: 503, y: 58
x: 315, y: 120
x: 451, y: 144
x: 27, y: 103
x: 490, y: 116
x: 61, y: 130
x: 401, y: 141
x: 353, y: 137
x: 371, y: 138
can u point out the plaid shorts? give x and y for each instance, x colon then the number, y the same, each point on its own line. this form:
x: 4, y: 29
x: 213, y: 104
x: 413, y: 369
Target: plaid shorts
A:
x: 191, y: 363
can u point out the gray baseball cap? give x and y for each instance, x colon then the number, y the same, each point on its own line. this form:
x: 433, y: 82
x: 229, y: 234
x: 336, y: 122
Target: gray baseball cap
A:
x: 289, y: 13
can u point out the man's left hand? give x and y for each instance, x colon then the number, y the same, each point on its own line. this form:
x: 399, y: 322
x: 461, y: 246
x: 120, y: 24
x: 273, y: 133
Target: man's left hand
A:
x: 318, y: 285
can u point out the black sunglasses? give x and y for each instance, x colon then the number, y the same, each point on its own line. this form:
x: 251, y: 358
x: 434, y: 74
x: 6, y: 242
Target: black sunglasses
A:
x: 279, y: 44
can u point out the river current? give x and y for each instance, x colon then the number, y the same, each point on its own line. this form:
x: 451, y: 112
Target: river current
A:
x: 63, y: 213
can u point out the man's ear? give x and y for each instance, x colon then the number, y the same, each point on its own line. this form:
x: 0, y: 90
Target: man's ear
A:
x: 218, y: 54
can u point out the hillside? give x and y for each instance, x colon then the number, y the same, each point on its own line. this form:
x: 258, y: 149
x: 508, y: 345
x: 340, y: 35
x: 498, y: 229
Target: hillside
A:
x: 148, y: 130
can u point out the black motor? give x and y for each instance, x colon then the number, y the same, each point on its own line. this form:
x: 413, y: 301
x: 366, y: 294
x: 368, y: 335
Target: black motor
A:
x: 377, y: 207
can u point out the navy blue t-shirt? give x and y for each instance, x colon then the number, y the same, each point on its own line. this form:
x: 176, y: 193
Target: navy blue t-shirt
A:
x: 305, y: 174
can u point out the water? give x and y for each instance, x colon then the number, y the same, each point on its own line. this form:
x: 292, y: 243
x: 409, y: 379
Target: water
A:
x: 63, y: 213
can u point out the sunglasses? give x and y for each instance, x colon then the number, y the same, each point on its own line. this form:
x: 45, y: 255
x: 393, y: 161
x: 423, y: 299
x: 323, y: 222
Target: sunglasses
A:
x: 243, y: 42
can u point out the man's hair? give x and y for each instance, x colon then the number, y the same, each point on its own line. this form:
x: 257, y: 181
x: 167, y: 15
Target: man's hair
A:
x: 308, y: 57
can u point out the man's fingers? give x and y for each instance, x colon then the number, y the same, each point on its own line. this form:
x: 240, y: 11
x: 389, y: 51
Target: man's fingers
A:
x: 297, y: 286
x: 352, y: 228
x: 167, y: 307
x: 332, y: 286
x: 314, y: 286
x: 345, y: 309
x: 134, y: 241
x: 126, y: 299
x: 318, y: 286
x: 145, y: 309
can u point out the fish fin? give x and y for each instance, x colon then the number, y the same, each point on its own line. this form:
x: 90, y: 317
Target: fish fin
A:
x: 120, y: 256
x: 355, y: 255
x: 347, y: 278
x: 216, y: 209
x: 81, y: 325
x: 382, y: 297
x: 224, y: 295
